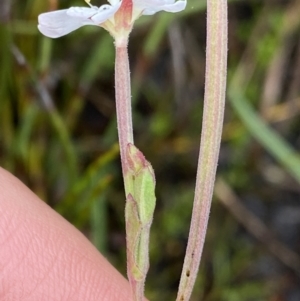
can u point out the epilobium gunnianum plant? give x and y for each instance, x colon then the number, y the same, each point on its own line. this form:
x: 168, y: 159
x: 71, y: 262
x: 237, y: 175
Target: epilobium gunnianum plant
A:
x: 118, y: 18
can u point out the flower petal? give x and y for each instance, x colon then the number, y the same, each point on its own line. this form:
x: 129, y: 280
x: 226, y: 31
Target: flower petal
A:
x: 114, y: 2
x: 57, y: 23
x: 82, y: 13
x: 153, y: 6
x: 105, y: 12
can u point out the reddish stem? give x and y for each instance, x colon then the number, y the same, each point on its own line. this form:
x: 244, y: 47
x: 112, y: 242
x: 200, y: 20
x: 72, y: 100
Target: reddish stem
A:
x: 123, y: 100
x: 214, y: 101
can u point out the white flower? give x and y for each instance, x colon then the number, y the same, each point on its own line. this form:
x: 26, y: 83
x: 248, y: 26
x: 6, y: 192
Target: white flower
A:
x: 150, y: 7
x: 61, y: 22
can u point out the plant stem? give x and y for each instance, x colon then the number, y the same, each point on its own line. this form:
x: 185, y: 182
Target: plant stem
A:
x: 139, y: 180
x: 214, y: 101
x: 123, y: 100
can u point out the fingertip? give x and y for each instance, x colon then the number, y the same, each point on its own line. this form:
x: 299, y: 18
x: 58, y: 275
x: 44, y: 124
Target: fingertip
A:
x: 43, y: 257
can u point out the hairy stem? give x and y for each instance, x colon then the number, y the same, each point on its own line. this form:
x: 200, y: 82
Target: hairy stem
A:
x: 123, y: 101
x: 214, y: 101
x: 138, y: 178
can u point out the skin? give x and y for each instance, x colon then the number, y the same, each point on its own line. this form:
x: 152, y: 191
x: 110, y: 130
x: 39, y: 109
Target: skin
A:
x: 43, y: 257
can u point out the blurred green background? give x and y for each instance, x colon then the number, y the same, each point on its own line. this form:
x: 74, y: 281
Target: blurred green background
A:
x: 58, y: 135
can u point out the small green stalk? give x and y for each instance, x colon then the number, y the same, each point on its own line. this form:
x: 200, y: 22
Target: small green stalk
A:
x: 139, y: 180
x: 214, y: 102
x: 140, y: 204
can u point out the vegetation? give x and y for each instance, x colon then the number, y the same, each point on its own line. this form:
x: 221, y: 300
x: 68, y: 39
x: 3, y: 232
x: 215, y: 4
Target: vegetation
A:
x: 58, y: 135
